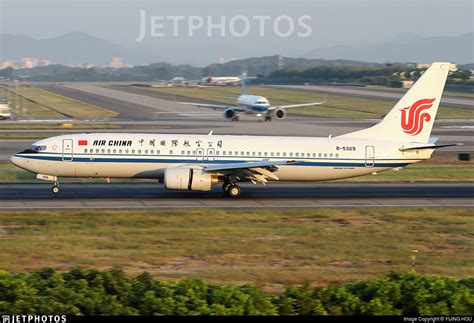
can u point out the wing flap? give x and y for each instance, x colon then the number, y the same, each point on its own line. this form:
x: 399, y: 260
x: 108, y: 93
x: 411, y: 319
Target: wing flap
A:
x: 428, y: 147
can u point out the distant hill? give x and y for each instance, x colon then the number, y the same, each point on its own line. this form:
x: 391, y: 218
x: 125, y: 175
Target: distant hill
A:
x: 74, y: 48
x: 405, y: 48
x: 267, y: 64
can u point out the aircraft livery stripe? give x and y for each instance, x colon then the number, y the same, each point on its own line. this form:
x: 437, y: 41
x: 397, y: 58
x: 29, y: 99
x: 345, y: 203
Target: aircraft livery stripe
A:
x: 194, y: 161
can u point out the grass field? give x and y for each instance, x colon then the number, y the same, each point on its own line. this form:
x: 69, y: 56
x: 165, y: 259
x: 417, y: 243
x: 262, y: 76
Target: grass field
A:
x: 46, y: 126
x: 336, y: 106
x: 270, y: 248
x: 50, y: 105
x: 27, y: 108
x: 447, y: 170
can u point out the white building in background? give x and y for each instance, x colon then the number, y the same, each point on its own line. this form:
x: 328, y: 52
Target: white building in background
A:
x: 452, y: 67
x: 117, y: 62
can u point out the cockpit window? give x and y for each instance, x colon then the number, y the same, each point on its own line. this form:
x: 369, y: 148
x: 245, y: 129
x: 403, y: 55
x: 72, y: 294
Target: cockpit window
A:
x: 33, y: 150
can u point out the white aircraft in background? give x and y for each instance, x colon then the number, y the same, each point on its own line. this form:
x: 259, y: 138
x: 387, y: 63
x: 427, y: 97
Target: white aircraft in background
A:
x: 198, y: 162
x: 253, y: 104
x: 5, y: 110
x: 220, y: 80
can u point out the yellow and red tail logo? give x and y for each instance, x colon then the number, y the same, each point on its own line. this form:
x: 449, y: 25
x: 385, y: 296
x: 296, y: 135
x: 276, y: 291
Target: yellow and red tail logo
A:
x: 413, y: 118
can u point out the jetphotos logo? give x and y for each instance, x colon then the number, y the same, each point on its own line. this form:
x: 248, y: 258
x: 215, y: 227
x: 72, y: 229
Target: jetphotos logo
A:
x: 413, y: 117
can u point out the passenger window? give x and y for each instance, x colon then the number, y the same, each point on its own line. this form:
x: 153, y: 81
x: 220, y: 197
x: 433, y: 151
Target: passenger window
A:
x: 152, y: 152
x: 253, y: 153
x: 224, y: 153
x: 242, y: 153
x: 97, y: 151
x: 126, y: 151
x: 278, y: 154
x: 85, y: 151
x: 330, y: 155
x: 320, y: 155
x: 260, y: 153
x: 248, y: 153
x: 284, y: 154
x: 291, y: 154
x: 108, y: 151
x: 297, y: 154
x: 325, y: 155
x: 337, y: 155
x: 120, y: 151
x: 171, y: 152
x: 146, y: 152
x: 217, y: 153
x: 133, y: 151
x: 194, y: 152
x: 182, y: 152
x: 157, y: 152
x: 103, y: 151
x: 189, y: 152
x: 139, y: 151
x: 115, y: 150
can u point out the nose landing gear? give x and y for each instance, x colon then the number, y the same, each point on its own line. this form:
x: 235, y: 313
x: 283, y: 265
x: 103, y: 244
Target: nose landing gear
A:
x: 55, y: 188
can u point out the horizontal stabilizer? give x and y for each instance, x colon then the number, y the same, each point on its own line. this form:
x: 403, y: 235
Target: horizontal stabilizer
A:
x: 429, y: 147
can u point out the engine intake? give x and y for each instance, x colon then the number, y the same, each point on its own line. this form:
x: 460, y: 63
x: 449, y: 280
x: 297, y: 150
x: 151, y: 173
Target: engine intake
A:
x: 186, y: 178
x: 279, y: 113
x: 229, y: 113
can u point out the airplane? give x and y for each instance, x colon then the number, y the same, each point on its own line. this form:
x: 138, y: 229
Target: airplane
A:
x: 220, y: 80
x: 253, y: 104
x: 5, y: 110
x: 198, y: 162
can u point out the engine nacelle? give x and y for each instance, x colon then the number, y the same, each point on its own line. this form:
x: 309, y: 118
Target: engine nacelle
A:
x: 186, y: 178
x: 279, y: 113
x: 229, y: 113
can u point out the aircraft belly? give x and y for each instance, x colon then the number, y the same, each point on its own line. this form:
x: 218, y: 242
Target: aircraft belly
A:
x: 120, y: 170
x: 322, y: 173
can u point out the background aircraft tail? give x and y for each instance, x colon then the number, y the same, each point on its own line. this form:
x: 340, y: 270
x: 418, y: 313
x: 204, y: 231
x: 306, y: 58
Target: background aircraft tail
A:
x: 244, y: 78
x: 412, y: 118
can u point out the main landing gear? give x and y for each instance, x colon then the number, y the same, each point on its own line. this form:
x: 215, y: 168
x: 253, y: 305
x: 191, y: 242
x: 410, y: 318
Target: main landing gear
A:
x: 232, y: 189
x: 55, y: 188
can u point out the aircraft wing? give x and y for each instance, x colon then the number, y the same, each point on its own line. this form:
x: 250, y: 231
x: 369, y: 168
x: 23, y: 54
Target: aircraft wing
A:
x: 299, y: 105
x: 253, y: 171
x: 214, y: 106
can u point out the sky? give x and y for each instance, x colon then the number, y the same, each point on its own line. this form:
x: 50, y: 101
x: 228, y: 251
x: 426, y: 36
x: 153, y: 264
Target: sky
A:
x: 290, y: 28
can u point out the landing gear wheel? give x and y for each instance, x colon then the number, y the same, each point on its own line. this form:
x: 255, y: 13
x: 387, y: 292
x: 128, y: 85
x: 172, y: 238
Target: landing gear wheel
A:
x: 268, y: 118
x: 55, y: 189
x: 225, y: 186
x: 233, y: 190
x: 236, y: 118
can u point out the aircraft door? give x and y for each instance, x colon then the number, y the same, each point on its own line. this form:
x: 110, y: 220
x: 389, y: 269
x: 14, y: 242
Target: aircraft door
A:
x: 369, y: 156
x: 67, y: 150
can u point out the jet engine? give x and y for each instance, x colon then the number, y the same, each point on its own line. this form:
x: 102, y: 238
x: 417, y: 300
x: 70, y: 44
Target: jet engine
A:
x: 229, y: 113
x: 186, y: 178
x: 279, y: 113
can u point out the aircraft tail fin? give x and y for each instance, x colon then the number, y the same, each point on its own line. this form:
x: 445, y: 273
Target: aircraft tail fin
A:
x: 412, y: 118
x: 244, y: 77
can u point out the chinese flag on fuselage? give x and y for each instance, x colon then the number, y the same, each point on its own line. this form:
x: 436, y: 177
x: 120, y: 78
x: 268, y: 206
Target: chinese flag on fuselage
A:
x: 82, y: 142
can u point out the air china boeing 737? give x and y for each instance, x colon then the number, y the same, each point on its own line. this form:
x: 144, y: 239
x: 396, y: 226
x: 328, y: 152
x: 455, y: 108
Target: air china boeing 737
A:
x: 198, y: 162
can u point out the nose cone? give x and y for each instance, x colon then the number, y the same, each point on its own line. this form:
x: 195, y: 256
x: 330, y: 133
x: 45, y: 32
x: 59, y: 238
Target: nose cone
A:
x: 15, y: 160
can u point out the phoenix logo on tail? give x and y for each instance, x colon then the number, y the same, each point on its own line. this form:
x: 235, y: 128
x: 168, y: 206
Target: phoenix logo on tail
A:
x: 413, y: 118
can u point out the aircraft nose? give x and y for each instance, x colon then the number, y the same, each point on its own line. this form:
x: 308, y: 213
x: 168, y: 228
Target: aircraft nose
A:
x: 14, y: 160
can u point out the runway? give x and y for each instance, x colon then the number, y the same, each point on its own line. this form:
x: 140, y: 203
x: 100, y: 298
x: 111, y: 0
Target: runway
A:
x: 274, y: 195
